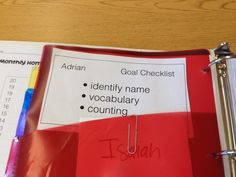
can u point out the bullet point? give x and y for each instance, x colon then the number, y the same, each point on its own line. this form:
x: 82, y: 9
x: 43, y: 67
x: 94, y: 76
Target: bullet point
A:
x: 83, y: 95
x: 81, y: 107
x: 85, y: 84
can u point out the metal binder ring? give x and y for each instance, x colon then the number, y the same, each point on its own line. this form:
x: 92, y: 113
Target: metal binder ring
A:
x: 218, y: 60
x: 230, y: 153
x: 222, y: 52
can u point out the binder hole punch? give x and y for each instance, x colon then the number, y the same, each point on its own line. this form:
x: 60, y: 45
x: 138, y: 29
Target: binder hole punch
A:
x: 133, y: 150
x: 16, y: 139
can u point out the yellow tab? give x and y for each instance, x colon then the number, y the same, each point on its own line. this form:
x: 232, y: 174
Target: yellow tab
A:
x: 33, y: 77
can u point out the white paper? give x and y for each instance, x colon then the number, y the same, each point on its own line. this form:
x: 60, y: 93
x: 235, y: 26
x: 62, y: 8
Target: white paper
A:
x: 16, y: 62
x: 115, y: 86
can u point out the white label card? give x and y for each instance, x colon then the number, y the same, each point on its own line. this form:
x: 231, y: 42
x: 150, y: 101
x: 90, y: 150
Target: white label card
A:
x: 83, y: 86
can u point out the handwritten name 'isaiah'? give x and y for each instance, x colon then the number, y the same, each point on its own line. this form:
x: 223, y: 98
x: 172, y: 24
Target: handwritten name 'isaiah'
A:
x: 115, y: 150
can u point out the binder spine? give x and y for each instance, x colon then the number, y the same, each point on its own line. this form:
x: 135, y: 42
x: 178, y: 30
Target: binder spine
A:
x: 222, y: 54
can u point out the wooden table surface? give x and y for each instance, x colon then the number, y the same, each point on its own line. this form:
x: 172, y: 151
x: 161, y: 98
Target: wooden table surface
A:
x: 147, y: 24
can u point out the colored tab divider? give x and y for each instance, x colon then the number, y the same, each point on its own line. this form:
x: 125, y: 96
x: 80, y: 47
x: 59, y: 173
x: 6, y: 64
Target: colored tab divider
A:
x: 26, y: 104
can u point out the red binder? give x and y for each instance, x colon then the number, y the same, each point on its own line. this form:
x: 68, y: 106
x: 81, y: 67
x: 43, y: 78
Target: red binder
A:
x: 170, y: 144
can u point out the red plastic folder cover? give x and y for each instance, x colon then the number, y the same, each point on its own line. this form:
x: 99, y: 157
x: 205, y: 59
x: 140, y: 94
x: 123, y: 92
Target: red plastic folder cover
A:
x: 99, y: 148
x: 170, y: 145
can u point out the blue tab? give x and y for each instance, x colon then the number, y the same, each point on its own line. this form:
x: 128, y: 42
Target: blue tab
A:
x: 22, y: 119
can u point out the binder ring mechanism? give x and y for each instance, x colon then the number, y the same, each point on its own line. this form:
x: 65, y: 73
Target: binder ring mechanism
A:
x: 229, y: 153
x: 222, y: 53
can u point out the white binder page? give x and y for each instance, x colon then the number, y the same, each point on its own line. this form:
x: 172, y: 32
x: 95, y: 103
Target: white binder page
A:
x: 16, y: 62
x: 83, y: 86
